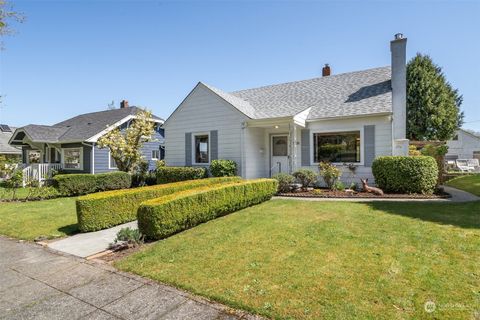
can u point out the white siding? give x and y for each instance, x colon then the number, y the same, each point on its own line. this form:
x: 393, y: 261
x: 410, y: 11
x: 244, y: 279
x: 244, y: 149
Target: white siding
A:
x: 383, y: 139
x: 256, y: 153
x: 203, y: 111
x: 464, y: 146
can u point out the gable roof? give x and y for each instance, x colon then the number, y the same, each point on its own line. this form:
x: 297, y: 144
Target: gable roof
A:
x: 81, y: 127
x: 348, y: 94
x: 5, y: 148
x: 473, y: 134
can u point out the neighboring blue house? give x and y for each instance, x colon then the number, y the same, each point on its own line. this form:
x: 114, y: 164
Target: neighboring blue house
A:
x: 71, y: 145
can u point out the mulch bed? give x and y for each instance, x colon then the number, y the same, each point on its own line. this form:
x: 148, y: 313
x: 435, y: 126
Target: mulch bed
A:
x: 119, y: 254
x: 325, y: 193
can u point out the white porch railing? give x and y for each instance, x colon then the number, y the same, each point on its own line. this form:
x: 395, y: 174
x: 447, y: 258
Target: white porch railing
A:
x: 39, y: 172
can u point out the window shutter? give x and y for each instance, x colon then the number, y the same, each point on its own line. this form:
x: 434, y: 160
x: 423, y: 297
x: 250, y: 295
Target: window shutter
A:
x: 188, y: 148
x: 213, y: 145
x: 369, y: 140
x: 305, y: 147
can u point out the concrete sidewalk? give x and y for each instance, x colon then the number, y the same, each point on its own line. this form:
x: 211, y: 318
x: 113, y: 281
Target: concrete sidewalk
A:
x: 86, y: 244
x: 36, y: 283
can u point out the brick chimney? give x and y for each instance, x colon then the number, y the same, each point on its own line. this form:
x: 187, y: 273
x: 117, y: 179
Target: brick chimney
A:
x: 326, y: 70
x: 124, y: 104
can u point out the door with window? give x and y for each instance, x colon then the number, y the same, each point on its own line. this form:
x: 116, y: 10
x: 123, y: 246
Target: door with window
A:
x: 279, y: 154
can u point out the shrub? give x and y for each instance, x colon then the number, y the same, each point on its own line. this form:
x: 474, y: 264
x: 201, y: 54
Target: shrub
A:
x: 142, y: 177
x: 42, y: 193
x: 223, y: 168
x: 413, y: 151
x: 131, y: 237
x: 107, y: 209
x: 284, y: 181
x: 164, y: 216
x: 160, y: 163
x: 329, y: 173
x: 398, y: 174
x: 305, y: 177
x: 176, y: 174
x: 84, y: 183
x: 338, y: 185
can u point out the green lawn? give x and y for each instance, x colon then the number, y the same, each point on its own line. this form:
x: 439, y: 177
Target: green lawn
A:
x: 6, y: 193
x: 47, y: 218
x: 470, y: 183
x: 290, y: 259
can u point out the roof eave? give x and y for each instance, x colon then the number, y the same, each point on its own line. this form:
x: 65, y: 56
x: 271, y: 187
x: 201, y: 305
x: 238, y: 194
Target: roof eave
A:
x: 378, y: 114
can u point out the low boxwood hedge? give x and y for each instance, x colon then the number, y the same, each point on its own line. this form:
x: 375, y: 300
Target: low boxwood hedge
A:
x: 106, y: 209
x: 85, y: 183
x: 164, y: 216
x: 175, y: 174
x: 399, y: 174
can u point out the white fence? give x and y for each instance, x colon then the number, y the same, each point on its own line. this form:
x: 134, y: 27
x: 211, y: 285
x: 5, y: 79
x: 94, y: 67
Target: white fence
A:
x: 39, y: 172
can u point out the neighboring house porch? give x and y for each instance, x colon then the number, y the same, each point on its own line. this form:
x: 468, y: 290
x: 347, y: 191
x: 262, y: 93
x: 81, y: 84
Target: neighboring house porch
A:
x: 71, y: 145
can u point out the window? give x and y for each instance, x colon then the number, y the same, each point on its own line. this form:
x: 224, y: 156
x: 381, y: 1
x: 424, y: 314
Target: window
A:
x: 336, y: 146
x: 201, y: 148
x: 455, y: 137
x: 279, y: 146
x: 73, y: 158
x: 112, y: 164
x: 34, y: 156
x: 156, y: 154
x: 476, y: 155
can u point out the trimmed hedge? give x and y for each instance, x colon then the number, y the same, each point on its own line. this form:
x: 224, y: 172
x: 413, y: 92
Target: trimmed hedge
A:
x: 161, y: 217
x: 397, y: 174
x: 85, y: 183
x: 106, y: 209
x: 175, y: 174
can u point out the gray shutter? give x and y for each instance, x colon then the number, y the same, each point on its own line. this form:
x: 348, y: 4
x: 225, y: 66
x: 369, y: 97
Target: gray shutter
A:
x: 213, y: 145
x: 369, y: 140
x: 188, y: 148
x: 305, y: 147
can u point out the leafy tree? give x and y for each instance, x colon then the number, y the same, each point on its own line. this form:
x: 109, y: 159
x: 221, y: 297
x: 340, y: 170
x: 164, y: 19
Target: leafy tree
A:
x: 125, y: 146
x: 7, y: 16
x: 433, y: 106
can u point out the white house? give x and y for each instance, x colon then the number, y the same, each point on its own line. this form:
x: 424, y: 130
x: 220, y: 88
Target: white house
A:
x: 465, y: 145
x: 346, y: 118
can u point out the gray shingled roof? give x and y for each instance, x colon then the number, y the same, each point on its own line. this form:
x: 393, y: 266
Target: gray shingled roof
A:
x: 5, y: 148
x: 348, y: 94
x: 79, y: 128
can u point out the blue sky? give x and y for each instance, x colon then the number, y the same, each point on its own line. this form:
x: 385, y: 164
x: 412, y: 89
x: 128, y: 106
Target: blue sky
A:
x: 72, y: 57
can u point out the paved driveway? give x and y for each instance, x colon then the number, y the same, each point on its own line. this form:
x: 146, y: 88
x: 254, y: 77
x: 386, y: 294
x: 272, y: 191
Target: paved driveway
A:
x: 36, y: 283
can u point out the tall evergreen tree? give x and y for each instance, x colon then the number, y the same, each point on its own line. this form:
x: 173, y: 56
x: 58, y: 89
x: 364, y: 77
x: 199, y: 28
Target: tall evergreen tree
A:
x: 433, y: 106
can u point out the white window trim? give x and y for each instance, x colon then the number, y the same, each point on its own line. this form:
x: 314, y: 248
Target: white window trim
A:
x: 362, y: 144
x: 81, y: 158
x: 195, y: 134
x: 155, y: 158
x: 109, y: 164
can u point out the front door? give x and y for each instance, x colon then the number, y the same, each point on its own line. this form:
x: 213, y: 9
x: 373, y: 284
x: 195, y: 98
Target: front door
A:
x: 279, y: 154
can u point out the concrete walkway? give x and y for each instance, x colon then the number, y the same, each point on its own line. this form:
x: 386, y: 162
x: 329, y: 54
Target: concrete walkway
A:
x: 456, y: 196
x: 37, y: 283
x: 90, y: 243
